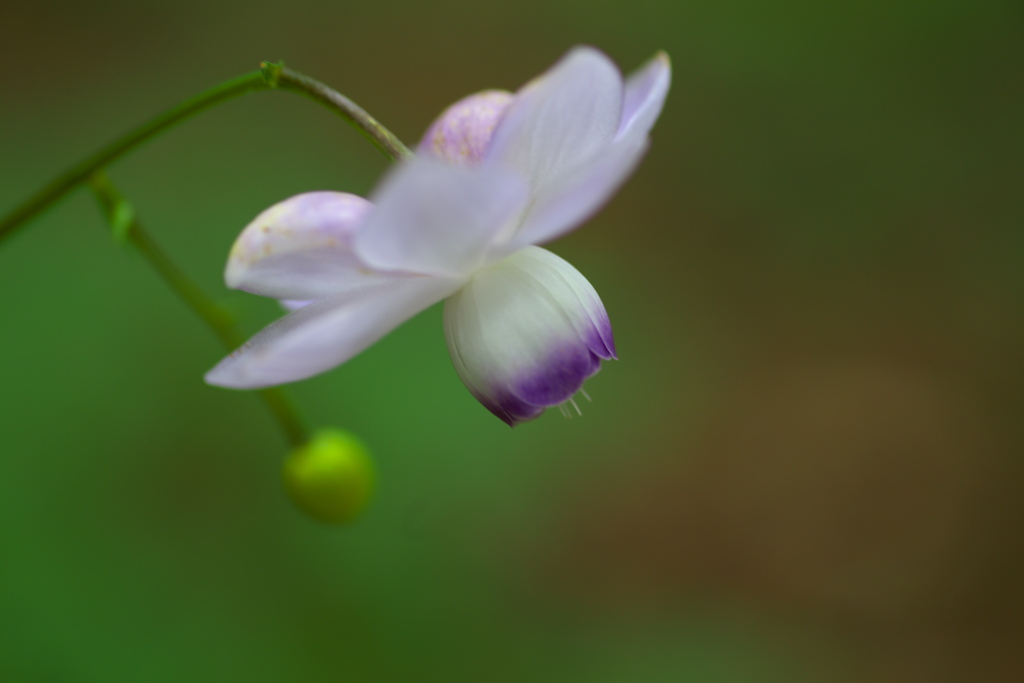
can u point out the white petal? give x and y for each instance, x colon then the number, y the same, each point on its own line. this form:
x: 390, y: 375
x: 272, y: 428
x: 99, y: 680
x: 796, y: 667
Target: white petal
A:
x: 579, y: 193
x: 326, y: 333
x: 438, y: 219
x: 561, y: 118
x: 573, y: 294
x: 301, y: 248
x: 525, y: 333
x: 645, y: 96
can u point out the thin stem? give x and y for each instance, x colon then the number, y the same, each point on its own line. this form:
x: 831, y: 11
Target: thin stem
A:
x: 281, y: 406
x: 371, y: 128
x: 270, y: 77
x: 81, y: 171
x: 116, y: 208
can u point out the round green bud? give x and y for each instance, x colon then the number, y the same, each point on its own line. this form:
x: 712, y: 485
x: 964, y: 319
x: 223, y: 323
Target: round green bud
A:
x: 331, y: 478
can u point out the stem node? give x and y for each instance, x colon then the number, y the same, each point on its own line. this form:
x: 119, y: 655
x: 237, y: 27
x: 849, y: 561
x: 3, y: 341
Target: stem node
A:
x: 271, y: 72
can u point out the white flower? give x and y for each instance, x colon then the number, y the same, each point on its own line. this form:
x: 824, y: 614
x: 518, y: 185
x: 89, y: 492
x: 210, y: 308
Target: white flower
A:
x: 495, y: 175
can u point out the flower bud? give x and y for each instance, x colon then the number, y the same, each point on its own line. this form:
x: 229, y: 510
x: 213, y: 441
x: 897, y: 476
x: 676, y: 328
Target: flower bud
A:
x: 463, y: 132
x: 525, y: 334
x: 331, y: 478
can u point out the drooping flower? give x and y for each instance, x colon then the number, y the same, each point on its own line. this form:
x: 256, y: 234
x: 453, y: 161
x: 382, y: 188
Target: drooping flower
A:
x: 495, y: 175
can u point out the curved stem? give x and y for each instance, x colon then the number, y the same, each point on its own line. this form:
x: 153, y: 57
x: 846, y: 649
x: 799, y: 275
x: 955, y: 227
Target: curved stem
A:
x: 381, y: 137
x: 80, y: 172
x: 270, y: 77
x: 126, y: 224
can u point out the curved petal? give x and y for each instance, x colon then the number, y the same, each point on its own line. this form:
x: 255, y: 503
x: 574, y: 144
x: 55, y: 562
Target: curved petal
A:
x: 463, y: 132
x: 438, y: 219
x: 579, y: 193
x: 526, y: 333
x: 645, y: 96
x: 573, y: 294
x: 326, y: 333
x: 301, y: 248
x: 561, y: 118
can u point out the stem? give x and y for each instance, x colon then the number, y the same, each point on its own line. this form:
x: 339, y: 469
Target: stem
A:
x: 270, y: 77
x: 381, y: 137
x: 80, y: 172
x: 216, y: 318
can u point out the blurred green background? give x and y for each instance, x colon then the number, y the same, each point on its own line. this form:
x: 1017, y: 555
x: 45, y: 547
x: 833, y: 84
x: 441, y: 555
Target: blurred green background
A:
x: 806, y: 466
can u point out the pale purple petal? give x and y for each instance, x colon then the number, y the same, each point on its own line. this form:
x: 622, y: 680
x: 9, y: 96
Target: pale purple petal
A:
x: 463, y: 132
x: 301, y: 248
x: 525, y: 333
x: 438, y: 219
x: 578, y: 194
x: 560, y: 119
x: 326, y: 333
x: 294, y: 304
x: 645, y: 96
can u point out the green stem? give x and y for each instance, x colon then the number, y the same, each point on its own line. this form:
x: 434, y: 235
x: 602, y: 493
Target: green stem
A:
x: 117, y: 209
x: 270, y: 77
x: 384, y: 139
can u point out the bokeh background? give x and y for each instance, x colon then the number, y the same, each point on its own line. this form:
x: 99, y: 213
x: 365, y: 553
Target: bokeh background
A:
x: 806, y: 466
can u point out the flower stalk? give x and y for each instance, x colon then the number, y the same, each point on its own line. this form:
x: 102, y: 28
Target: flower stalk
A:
x: 277, y: 76
x: 271, y: 76
x: 127, y: 228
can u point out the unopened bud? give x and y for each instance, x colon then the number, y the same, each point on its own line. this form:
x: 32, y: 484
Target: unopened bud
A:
x: 331, y: 478
x: 463, y: 132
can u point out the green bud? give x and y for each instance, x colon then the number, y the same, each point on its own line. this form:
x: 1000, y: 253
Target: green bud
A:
x: 331, y: 478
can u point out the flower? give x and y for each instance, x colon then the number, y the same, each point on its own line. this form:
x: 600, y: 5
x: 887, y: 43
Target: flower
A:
x: 495, y: 175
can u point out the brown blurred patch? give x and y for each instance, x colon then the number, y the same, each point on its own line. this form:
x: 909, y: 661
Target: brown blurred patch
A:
x: 839, y: 494
x: 51, y: 46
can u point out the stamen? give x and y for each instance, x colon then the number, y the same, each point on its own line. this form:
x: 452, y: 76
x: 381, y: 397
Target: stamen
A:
x: 586, y: 395
x: 576, y: 406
